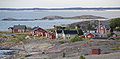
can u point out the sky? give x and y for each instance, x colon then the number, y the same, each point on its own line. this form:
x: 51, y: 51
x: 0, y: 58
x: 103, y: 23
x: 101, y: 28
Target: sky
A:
x: 58, y: 3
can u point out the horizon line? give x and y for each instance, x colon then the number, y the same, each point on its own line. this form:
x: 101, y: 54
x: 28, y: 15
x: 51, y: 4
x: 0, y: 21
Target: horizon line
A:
x: 69, y: 7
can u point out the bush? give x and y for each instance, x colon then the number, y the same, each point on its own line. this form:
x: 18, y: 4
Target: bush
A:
x: 80, y: 32
x: 82, y: 57
x: 61, y: 42
x: 117, y: 39
x: 21, y: 37
x: 110, y: 34
x: 115, y: 24
x: 76, y: 38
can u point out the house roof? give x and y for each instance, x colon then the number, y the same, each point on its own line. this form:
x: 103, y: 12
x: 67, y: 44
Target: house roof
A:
x: 34, y: 28
x: 89, y: 33
x: 68, y: 31
x: 37, y: 28
x: 18, y: 27
x: 59, y: 31
x: 105, y: 24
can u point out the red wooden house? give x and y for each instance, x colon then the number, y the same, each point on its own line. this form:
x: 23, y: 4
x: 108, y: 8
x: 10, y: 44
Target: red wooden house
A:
x: 90, y: 35
x: 19, y: 28
x: 37, y: 31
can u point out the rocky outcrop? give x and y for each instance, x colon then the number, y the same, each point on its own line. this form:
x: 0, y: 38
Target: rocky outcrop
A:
x: 87, y: 17
x: 9, y: 19
x: 52, y: 17
x: 91, y: 25
x: 13, y: 19
x: 75, y: 17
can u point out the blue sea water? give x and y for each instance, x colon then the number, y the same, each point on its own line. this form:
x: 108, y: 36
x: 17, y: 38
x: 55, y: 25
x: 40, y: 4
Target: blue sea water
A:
x: 42, y: 13
x: 48, y: 23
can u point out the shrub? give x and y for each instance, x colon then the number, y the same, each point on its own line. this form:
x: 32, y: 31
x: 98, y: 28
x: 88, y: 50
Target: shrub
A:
x: 76, y: 38
x: 61, y: 42
x: 82, y: 57
x: 115, y: 24
x: 80, y: 32
x: 21, y: 37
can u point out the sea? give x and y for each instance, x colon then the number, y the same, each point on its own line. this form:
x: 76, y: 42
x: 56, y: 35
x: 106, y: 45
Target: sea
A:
x: 47, y: 24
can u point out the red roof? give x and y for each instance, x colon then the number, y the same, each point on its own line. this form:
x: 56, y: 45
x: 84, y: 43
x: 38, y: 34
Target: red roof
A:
x: 90, y: 35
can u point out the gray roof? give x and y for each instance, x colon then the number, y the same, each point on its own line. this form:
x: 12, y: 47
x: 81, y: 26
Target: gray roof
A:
x: 36, y: 28
x: 18, y: 27
x: 105, y: 23
x: 68, y: 31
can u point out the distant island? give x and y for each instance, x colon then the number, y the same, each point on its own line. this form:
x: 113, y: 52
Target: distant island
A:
x: 57, y: 17
x: 13, y: 19
x: 71, y: 8
x: 74, y: 17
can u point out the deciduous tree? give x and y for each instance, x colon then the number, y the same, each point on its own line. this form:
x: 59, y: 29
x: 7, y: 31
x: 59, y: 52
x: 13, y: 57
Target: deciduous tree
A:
x: 115, y: 24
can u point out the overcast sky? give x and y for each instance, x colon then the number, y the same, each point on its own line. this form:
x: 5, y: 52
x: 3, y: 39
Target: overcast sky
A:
x: 58, y: 3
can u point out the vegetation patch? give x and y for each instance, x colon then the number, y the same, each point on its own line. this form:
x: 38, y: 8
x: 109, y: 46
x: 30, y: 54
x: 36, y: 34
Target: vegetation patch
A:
x: 115, y: 24
x: 61, y: 42
x: 76, y: 38
x: 116, y: 48
x: 82, y: 57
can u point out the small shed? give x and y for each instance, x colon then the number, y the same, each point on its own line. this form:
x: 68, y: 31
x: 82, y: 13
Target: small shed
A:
x: 96, y: 51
